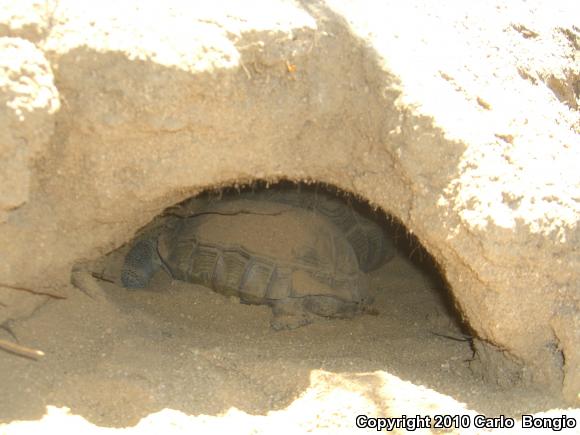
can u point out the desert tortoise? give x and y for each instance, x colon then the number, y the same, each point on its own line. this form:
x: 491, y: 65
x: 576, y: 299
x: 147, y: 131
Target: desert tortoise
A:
x: 266, y: 252
x: 371, y: 246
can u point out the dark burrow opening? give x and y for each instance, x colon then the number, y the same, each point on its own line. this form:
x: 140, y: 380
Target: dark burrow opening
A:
x: 255, y: 229
x: 200, y: 331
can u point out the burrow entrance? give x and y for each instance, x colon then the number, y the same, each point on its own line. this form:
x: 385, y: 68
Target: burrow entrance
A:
x: 257, y: 222
x: 253, y: 222
x: 184, y: 346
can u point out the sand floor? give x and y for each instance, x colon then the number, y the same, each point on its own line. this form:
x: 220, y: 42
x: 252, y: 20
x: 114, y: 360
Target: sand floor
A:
x: 130, y: 359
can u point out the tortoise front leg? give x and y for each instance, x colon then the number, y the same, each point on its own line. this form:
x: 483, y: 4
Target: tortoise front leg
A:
x: 141, y: 263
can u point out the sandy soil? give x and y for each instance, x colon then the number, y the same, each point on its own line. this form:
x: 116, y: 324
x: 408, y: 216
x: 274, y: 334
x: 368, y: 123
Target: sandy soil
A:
x: 128, y: 360
x: 458, y: 119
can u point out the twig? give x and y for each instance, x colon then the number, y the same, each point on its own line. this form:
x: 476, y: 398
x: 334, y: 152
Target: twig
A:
x: 102, y: 278
x: 246, y: 70
x: 36, y: 292
x: 18, y: 349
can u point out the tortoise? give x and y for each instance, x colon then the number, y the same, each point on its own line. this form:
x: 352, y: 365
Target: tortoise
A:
x: 368, y: 239
x: 276, y: 250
